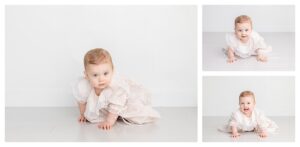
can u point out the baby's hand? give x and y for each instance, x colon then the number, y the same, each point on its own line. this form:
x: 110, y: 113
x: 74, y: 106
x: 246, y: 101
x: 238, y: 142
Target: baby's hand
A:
x: 231, y: 60
x: 262, y: 58
x: 263, y: 134
x: 105, y: 125
x: 235, y: 135
x: 82, y: 119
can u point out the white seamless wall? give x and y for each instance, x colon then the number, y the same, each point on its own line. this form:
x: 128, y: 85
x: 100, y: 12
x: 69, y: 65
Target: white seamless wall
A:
x: 153, y: 45
x: 266, y: 18
x: 275, y: 95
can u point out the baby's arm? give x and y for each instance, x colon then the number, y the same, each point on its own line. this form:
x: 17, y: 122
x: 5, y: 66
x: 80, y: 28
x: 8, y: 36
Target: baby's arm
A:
x: 263, y: 134
x: 230, y: 55
x: 261, y: 131
x: 234, y: 132
x: 82, y: 107
x: 109, y: 122
x: 260, y: 56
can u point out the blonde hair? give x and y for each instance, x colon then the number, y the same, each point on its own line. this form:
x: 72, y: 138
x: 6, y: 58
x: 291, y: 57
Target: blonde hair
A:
x: 242, y: 19
x: 97, y: 56
x: 247, y: 93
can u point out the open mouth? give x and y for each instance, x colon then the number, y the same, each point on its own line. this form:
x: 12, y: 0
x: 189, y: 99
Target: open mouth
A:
x: 246, y: 109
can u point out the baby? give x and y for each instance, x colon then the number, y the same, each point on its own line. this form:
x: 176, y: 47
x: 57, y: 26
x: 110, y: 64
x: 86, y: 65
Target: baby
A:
x: 245, y: 42
x: 248, y: 118
x: 103, y: 96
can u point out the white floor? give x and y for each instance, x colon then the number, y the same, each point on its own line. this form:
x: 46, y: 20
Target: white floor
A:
x: 286, y: 132
x: 60, y: 124
x: 282, y: 58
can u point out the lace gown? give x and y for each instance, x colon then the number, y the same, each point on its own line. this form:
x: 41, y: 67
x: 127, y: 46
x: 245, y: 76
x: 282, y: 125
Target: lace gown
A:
x: 257, y: 122
x: 244, y: 50
x: 123, y: 97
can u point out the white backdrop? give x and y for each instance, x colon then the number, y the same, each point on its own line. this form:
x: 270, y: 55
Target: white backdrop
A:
x: 275, y: 96
x: 220, y: 18
x: 153, y: 45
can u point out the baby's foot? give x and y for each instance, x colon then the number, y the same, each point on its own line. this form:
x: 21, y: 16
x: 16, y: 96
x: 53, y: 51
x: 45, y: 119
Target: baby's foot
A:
x: 262, y: 58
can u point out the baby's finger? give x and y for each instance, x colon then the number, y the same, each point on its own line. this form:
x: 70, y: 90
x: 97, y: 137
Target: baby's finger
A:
x: 80, y: 120
x: 264, y: 136
x: 100, y: 126
x: 103, y: 127
x: 106, y: 127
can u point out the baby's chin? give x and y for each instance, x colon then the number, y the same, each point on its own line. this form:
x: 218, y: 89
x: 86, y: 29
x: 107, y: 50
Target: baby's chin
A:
x: 100, y: 87
x: 247, y: 112
x: 244, y: 39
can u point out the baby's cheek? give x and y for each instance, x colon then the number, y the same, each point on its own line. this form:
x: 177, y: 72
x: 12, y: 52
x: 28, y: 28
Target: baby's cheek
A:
x: 94, y: 83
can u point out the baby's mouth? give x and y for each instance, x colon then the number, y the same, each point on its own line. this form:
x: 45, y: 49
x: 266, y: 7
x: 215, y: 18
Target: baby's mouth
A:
x: 246, y: 109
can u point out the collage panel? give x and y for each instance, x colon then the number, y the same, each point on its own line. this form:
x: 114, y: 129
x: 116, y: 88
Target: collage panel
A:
x: 101, y: 73
x: 248, y: 37
x: 248, y: 109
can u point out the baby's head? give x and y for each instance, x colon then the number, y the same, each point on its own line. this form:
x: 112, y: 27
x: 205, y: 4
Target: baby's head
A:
x: 243, y: 27
x: 247, y: 102
x: 98, y: 67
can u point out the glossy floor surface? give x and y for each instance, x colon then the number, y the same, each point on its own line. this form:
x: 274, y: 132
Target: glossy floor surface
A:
x: 60, y: 124
x: 285, y: 133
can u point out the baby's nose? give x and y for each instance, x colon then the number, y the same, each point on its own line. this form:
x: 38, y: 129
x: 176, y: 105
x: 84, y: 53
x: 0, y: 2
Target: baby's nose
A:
x: 100, y: 79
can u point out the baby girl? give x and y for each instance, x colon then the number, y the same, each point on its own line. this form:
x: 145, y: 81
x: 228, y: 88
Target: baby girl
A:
x: 245, y: 42
x: 248, y: 118
x: 103, y: 96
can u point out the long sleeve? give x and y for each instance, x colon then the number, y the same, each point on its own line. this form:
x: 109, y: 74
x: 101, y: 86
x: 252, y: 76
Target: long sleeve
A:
x: 233, y: 122
x: 231, y: 41
x: 259, y: 43
x: 265, y: 124
x: 81, y: 90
